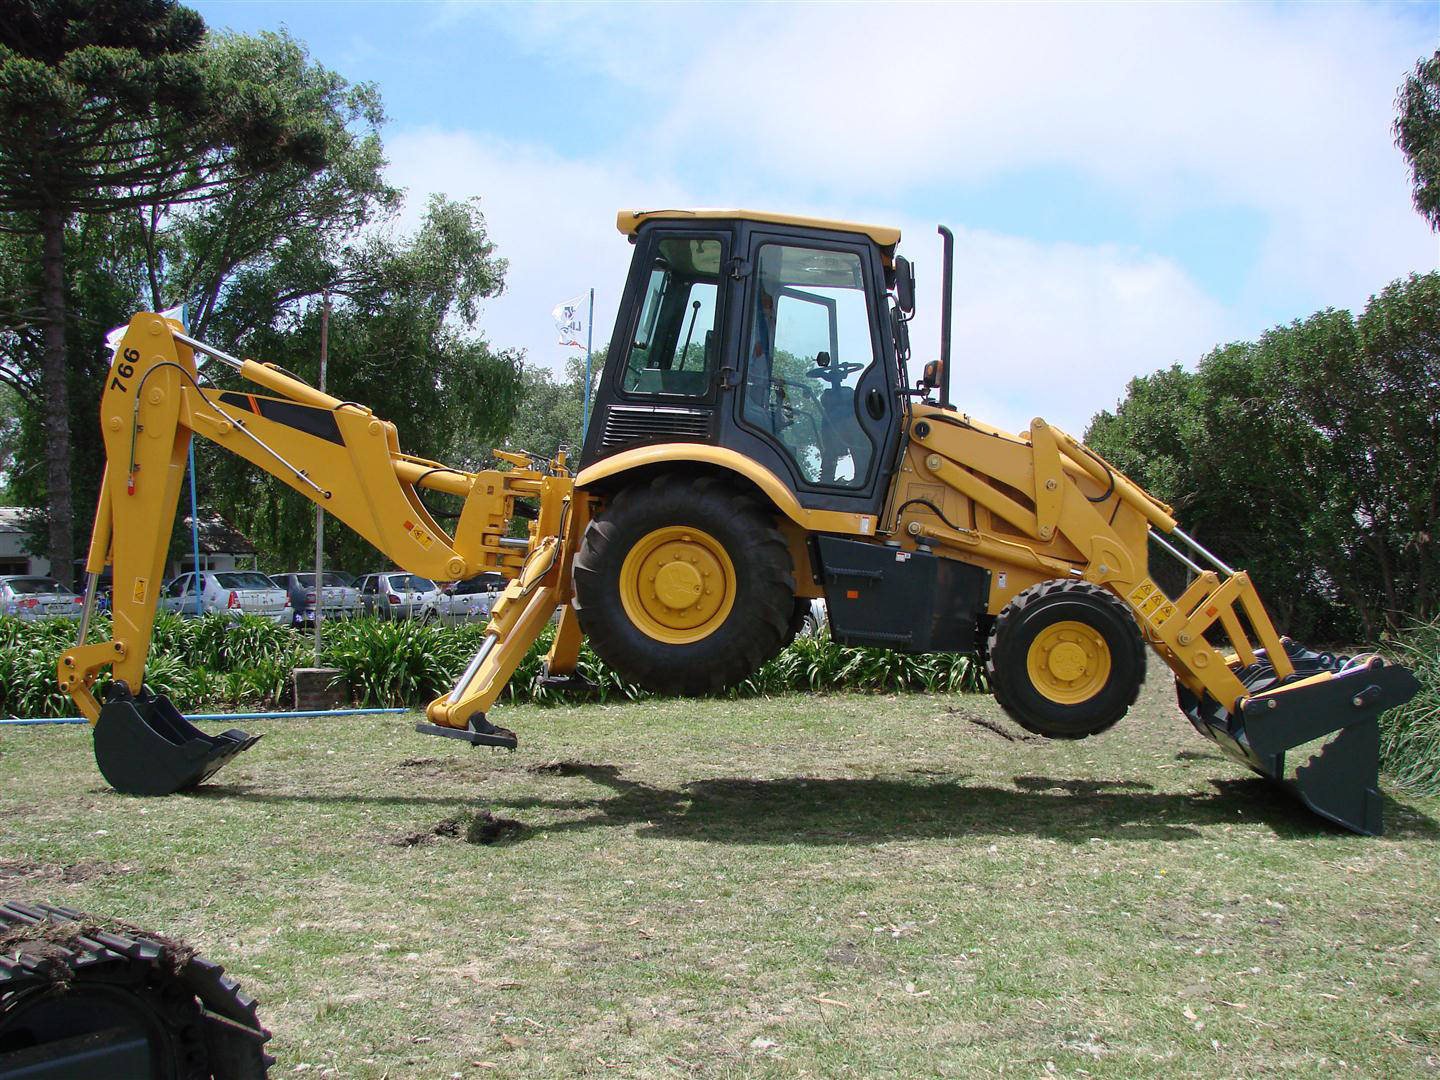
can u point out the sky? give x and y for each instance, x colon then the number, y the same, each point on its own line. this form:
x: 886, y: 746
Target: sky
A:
x: 1129, y: 185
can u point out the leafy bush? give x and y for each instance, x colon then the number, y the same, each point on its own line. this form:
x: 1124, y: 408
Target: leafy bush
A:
x: 217, y: 663
x: 389, y: 664
x: 1410, y: 735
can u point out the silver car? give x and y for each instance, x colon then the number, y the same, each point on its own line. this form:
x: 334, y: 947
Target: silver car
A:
x: 34, y: 598
x: 227, y: 592
x: 338, y: 600
x: 467, y: 600
x: 396, y: 595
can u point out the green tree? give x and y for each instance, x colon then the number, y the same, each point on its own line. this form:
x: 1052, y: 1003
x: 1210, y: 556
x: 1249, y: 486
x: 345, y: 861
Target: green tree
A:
x: 111, y: 106
x: 9, y: 440
x: 401, y: 341
x: 1417, y: 134
x: 1311, y: 456
x: 550, y: 411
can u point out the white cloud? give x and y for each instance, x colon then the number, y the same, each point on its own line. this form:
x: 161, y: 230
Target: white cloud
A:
x: 1284, y: 110
x: 1052, y: 330
x: 852, y: 111
x: 552, y: 218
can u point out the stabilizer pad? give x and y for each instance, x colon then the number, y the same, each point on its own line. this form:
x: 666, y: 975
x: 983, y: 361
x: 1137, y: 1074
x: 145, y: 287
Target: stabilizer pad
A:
x: 480, y: 733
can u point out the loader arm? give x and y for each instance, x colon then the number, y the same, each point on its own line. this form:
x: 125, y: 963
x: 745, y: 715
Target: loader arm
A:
x: 1043, y: 507
x: 341, y: 456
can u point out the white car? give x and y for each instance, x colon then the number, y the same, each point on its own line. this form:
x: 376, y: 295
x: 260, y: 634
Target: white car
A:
x: 397, y: 595
x: 227, y: 592
x: 467, y: 600
x: 816, y: 621
x: 33, y: 598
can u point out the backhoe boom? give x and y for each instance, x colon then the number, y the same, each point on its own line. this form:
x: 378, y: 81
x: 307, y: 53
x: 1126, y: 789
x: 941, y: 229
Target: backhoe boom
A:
x: 338, y: 454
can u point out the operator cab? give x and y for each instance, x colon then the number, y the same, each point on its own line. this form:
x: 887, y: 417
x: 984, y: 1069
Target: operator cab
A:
x: 764, y: 334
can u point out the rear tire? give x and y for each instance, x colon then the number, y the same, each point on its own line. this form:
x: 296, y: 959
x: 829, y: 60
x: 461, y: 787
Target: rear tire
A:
x: 684, y: 586
x: 1065, y: 659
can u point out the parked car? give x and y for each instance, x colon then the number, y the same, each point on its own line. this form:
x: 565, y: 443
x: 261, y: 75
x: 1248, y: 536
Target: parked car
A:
x: 816, y: 621
x: 465, y: 600
x: 228, y: 592
x: 33, y: 598
x: 338, y: 600
x: 396, y: 595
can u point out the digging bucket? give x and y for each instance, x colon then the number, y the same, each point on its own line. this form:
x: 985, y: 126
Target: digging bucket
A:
x: 1331, y: 702
x: 145, y: 747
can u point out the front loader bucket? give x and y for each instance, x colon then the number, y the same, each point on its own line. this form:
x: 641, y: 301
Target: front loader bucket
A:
x: 1340, y: 781
x: 145, y: 747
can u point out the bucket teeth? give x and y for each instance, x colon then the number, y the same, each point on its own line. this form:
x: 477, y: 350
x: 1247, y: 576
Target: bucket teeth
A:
x: 1326, y: 695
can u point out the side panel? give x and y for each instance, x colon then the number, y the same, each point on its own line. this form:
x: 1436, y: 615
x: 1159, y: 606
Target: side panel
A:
x: 904, y: 600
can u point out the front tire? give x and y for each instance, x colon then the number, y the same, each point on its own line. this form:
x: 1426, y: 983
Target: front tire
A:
x: 1065, y: 659
x: 684, y: 586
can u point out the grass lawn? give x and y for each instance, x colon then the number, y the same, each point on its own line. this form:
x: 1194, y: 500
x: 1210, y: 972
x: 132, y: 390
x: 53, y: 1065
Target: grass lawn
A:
x: 806, y: 886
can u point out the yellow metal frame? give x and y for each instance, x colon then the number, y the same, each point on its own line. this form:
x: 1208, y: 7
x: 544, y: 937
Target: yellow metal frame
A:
x: 1040, y: 506
x: 338, y: 454
x: 774, y: 489
x: 629, y: 222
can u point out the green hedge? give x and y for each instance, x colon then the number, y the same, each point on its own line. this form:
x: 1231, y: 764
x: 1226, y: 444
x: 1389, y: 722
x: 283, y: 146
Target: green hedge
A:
x: 1410, y: 735
x: 215, y: 664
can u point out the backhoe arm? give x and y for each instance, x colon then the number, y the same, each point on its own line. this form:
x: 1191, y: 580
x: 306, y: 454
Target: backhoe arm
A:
x: 338, y: 454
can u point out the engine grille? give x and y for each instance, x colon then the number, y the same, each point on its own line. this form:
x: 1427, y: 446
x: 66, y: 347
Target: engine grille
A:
x: 646, y: 423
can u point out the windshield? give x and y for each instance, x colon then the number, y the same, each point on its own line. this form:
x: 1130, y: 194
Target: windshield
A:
x: 30, y: 586
x: 248, y: 580
x: 332, y: 581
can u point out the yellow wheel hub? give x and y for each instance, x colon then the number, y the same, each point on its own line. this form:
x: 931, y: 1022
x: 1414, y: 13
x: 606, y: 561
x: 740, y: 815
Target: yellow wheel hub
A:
x: 1068, y: 662
x: 677, y: 584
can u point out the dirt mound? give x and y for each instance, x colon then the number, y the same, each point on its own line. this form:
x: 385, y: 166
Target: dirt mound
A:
x: 479, y: 827
x: 563, y: 768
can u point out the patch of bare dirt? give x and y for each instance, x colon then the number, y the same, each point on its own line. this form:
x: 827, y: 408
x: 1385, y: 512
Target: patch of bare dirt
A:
x: 66, y: 874
x: 450, y: 826
x: 563, y: 768
x: 422, y: 763
x: 486, y: 828
x: 480, y: 827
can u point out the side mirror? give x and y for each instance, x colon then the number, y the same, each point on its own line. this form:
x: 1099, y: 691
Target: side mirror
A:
x: 933, y: 374
x: 905, y: 285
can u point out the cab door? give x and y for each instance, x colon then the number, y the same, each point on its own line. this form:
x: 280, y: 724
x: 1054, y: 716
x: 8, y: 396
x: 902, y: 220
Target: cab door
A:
x: 812, y: 387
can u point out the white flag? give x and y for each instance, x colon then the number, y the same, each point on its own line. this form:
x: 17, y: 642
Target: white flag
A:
x: 570, y: 321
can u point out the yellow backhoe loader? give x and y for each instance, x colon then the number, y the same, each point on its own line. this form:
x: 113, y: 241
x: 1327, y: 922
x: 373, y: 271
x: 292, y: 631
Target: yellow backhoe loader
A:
x: 756, y: 441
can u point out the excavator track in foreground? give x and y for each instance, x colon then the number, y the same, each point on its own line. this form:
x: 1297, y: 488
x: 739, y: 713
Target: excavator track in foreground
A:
x: 88, y: 997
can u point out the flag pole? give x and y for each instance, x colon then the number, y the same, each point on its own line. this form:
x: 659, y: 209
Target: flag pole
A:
x: 194, y: 501
x: 589, y: 341
x: 319, y: 608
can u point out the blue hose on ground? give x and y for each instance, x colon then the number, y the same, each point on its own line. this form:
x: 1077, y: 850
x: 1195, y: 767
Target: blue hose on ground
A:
x: 215, y: 716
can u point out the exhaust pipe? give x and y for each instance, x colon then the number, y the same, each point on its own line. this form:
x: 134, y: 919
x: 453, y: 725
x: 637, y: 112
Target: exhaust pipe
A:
x: 947, y: 295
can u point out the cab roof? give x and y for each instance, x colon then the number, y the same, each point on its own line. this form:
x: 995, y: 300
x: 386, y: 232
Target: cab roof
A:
x: 629, y: 222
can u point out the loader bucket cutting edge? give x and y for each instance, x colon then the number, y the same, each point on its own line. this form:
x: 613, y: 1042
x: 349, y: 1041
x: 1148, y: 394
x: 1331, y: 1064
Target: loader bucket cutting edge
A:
x: 144, y: 746
x: 1340, y: 780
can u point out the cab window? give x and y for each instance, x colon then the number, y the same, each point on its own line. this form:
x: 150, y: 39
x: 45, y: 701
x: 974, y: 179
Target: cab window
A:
x: 810, y: 345
x: 676, y: 340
